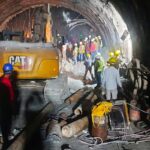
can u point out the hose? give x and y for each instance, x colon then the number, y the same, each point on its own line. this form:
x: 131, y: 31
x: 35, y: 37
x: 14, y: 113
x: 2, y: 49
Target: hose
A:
x: 139, y: 77
x: 138, y: 108
x: 133, y: 105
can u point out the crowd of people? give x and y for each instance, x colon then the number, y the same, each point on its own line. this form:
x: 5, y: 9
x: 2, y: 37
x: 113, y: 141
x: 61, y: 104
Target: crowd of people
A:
x: 77, y: 52
x: 106, y: 73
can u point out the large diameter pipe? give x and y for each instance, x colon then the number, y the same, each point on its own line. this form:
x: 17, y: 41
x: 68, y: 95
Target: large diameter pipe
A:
x: 78, y: 95
x: 75, y: 127
x: 53, y: 129
x: 74, y: 98
x: 25, y: 136
x: 90, y: 97
x: 78, y: 110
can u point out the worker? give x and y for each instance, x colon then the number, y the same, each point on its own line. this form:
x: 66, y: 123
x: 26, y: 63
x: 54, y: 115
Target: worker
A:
x: 114, y: 58
x: 75, y: 53
x: 88, y: 66
x: 111, y: 81
x: 64, y: 48
x: 81, y: 51
x: 100, y: 41
x: 98, y: 67
x: 97, y: 44
x: 92, y: 49
x: 7, y: 98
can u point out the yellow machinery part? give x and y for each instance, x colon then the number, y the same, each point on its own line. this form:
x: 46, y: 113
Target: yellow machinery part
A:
x: 101, y: 109
x: 40, y: 63
x: 52, y: 72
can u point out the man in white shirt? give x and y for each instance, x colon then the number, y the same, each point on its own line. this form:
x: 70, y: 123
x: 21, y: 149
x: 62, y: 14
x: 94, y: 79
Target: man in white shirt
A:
x: 111, y: 81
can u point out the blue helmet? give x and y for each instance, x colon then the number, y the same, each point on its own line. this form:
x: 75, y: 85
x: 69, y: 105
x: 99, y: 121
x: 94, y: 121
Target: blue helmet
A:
x: 7, y: 68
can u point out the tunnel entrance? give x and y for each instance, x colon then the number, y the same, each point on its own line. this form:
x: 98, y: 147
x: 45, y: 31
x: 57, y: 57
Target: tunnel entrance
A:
x: 94, y: 17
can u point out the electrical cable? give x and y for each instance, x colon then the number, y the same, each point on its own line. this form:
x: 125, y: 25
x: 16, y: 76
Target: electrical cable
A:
x: 138, y: 108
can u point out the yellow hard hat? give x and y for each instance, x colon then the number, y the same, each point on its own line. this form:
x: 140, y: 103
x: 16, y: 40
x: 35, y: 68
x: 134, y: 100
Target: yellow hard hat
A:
x: 111, y: 54
x: 117, y: 52
x: 112, y: 60
x: 88, y: 55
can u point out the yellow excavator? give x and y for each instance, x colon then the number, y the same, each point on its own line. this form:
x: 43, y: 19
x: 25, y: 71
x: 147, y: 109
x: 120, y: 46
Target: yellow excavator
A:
x: 38, y: 65
x: 31, y: 63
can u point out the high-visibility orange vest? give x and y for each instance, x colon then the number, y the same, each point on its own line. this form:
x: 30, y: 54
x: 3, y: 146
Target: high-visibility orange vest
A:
x: 48, y: 32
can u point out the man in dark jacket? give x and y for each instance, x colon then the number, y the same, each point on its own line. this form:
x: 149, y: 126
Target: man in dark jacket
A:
x: 7, y: 97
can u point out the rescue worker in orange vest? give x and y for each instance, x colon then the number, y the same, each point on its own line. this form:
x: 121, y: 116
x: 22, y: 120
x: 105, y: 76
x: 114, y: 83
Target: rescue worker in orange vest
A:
x: 7, y: 98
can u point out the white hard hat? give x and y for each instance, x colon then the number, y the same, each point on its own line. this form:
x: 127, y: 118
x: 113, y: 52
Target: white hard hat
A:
x: 99, y: 37
x: 98, y: 56
x: 90, y: 36
x: 85, y: 39
x: 93, y: 40
x: 75, y: 44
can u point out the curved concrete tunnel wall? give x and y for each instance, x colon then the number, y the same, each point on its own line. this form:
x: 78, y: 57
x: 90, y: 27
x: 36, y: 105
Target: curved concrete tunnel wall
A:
x: 99, y: 13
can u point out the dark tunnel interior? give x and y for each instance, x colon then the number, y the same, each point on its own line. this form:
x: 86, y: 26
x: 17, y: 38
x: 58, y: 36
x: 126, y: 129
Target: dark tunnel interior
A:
x: 99, y: 17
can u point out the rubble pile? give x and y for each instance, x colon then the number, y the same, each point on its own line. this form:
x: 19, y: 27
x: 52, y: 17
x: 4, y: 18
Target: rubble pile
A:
x: 78, y: 124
